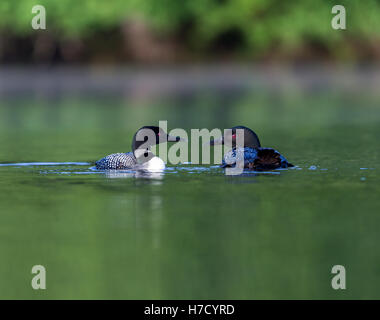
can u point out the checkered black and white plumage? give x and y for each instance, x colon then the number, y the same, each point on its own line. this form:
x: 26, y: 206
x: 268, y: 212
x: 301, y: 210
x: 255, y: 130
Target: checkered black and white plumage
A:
x: 117, y: 161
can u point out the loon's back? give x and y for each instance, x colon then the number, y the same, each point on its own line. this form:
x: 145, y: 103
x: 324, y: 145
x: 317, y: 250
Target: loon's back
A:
x: 258, y: 159
x: 117, y: 161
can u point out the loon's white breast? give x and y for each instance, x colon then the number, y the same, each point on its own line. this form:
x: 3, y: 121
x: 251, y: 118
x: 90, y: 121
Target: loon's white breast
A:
x: 154, y: 164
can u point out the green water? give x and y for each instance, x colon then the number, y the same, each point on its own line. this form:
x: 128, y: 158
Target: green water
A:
x: 192, y: 233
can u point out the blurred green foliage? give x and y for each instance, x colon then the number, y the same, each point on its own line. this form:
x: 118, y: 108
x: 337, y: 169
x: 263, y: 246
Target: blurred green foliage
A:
x: 255, y: 26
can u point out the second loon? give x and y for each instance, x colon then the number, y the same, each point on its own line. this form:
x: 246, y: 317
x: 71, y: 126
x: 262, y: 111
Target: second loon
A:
x: 141, y: 157
x: 254, y: 156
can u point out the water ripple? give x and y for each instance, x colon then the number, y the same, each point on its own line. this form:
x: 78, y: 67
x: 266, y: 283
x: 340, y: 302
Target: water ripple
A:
x: 31, y: 164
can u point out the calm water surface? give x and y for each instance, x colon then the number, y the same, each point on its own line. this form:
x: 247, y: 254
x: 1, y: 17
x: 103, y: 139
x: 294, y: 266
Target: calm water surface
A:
x: 192, y: 231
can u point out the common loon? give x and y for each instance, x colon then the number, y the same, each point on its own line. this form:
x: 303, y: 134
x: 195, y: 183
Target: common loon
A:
x: 255, y: 157
x: 141, y: 157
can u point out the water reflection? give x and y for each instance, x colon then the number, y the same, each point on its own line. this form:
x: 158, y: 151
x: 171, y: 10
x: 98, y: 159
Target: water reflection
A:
x: 39, y: 164
x: 140, y: 174
x: 139, y: 213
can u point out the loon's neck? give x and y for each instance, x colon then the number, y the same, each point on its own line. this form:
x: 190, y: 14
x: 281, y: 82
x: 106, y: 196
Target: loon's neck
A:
x: 143, y: 155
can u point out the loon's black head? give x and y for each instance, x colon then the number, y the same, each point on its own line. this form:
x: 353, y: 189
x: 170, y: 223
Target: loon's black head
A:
x: 251, y: 140
x: 149, y: 136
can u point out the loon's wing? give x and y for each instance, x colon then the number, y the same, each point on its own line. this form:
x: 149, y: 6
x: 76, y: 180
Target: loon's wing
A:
x: 117, y: 161
x: 260, y: 159
x: 269, y: 159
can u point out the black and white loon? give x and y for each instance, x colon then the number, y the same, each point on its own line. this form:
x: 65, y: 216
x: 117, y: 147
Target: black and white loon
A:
x: 141, y: 157
x: 255, y: 157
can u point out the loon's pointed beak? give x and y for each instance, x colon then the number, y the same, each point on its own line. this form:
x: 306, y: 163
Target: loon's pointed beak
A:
x: 176, y: 139
x: 215, y: 142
